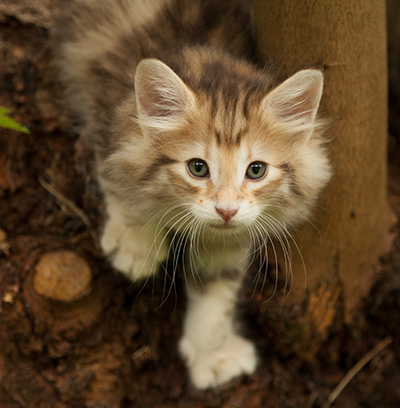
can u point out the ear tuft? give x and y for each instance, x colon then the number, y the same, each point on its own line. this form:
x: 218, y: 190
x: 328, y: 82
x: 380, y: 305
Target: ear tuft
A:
x: 161, y: 96
x: 295, y: 102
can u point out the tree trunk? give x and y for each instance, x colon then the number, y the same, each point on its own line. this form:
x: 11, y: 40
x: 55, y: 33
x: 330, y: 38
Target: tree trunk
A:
x: 347, y: 40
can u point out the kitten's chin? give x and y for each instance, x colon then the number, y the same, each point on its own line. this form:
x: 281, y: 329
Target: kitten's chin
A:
x: 226, y: 227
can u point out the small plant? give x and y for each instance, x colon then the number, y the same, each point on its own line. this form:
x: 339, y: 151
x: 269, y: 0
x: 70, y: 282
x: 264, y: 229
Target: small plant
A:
x: 8, y: 123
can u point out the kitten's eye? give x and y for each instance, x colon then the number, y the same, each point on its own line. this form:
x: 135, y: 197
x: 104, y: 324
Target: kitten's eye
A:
x: 198, y: 168
x: 256, y: 170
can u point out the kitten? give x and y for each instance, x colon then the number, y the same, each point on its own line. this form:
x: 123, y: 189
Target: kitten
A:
x: 194, y: 145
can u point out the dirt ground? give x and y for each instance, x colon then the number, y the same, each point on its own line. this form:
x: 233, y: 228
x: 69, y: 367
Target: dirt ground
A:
x: 116, y: 346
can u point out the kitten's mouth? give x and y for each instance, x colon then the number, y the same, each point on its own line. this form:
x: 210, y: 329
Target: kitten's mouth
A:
x: 223, y: 225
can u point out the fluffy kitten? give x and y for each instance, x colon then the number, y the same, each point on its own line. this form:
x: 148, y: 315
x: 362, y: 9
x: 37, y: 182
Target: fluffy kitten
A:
x: 194, y: 145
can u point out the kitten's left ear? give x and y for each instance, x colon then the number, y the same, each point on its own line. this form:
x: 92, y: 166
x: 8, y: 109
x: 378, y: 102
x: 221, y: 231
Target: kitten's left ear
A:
x: 295, y: 102
x: 161, y: 96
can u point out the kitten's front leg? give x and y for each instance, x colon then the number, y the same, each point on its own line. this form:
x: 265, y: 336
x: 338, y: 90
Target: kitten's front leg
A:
x: 134, y: 248
x: 213, y: 351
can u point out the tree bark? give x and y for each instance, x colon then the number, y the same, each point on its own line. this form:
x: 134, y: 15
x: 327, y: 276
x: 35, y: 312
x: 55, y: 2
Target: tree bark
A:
x: 347, y: 40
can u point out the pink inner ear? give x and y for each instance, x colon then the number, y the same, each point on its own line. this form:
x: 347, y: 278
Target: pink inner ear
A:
x: 153, y: 105
x: 303, y: 106
x: 297, y: 99
x: 162, y: 97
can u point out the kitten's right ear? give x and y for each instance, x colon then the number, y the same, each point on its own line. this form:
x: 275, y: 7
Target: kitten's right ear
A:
x: 161, y: 96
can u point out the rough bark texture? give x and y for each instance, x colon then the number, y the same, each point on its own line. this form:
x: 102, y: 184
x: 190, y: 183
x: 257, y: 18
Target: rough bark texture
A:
x: 347, y: 40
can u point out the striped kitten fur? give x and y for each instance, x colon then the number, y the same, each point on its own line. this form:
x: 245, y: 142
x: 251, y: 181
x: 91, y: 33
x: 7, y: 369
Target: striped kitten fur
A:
x: 197, y: 150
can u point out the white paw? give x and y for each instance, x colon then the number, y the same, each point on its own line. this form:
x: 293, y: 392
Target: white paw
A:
x: 208, y: 369
x: 132, y: 251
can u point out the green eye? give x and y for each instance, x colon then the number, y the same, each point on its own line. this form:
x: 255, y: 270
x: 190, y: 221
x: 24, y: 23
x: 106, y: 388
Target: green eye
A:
x: 256, y: 170
x: 198, y: 168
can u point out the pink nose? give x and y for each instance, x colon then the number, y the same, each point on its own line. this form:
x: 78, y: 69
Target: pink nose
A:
x: 226, y: 214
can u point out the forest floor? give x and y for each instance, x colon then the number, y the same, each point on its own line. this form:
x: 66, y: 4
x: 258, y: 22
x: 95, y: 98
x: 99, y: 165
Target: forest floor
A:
x: 121, y: 352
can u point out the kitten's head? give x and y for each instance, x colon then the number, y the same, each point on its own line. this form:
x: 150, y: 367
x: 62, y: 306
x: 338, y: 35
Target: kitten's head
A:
x: 229, y: 151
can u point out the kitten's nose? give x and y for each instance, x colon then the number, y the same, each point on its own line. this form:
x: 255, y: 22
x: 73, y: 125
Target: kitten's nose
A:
x: 226, y: 214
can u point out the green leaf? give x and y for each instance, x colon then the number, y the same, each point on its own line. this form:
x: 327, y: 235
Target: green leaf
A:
x: 8, y: 123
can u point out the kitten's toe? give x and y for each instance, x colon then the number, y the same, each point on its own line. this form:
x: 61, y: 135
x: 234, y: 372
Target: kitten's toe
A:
x: 134, y: 265
x: 239, y: 358
x: 132, y: 251
x: 212, y: 368
x: 110, y: 239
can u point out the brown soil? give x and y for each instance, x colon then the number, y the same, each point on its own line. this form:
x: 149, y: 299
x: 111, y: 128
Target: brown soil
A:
x: 105, y: 342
